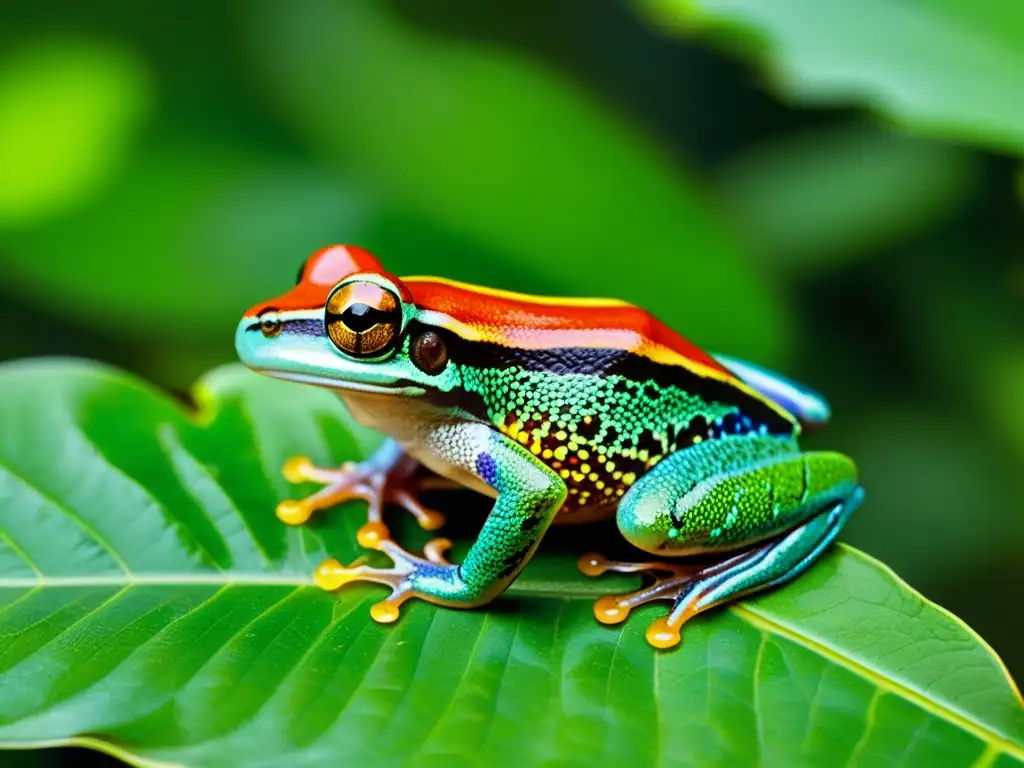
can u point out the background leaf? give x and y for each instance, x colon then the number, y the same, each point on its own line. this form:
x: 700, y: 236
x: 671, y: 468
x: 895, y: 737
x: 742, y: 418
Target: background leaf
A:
x: 812, y: 202
x: 942, y: 67
x: 508, y: 154
x: 69, y: 112
x: 151, y: 601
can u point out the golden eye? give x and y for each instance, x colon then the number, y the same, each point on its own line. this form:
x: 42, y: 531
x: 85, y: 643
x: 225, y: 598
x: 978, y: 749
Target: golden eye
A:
x: 270, y: 323
x: 363, y: 319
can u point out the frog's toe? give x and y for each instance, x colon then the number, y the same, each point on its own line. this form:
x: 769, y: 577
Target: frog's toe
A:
x: 385, y: 478
x: 434, y: 551
x: 407, y: 571
x: 674, y: 580
x: 297, y: 469
x: 291, y: 512
x: 428, y: 519
x: 372, y: 534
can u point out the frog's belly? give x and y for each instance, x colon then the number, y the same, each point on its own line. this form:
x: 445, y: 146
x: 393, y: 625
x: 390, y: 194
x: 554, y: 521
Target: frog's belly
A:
x: 412, y: 424
x: 572, y: 513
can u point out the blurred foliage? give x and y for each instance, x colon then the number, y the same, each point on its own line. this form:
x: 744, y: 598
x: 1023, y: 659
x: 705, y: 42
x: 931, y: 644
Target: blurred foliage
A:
x: 163, y: 167
x: 945, y: 67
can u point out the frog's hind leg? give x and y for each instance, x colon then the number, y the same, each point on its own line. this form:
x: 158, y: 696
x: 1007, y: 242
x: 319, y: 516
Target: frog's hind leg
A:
x: 766, y: 566
x: 774, y: 508
x: 384, y: 478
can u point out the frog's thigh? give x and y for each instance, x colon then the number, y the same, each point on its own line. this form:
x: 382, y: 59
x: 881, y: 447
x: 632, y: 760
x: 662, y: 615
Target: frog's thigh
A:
x: 729, y: 494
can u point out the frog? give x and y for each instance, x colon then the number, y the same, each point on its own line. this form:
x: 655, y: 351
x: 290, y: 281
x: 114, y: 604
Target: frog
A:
x: 563, y: 411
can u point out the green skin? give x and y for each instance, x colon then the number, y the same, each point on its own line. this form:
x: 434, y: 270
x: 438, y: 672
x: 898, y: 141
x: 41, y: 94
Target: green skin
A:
x: 697, y: 474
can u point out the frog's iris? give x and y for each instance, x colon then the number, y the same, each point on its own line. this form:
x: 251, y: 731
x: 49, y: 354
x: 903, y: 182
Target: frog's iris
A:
x: 363, y: 319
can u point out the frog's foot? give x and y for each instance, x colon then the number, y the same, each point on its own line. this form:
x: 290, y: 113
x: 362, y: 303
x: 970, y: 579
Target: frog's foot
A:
x: 403, y: 577
x: 672, y: 581
x: 695, y: 590
x: 384, y: 478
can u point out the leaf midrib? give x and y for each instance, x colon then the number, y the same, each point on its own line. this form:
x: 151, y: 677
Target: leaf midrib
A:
x: 751, y: 616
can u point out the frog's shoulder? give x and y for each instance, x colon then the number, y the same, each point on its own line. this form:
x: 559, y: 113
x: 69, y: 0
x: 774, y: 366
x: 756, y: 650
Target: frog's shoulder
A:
x: 525, y: 321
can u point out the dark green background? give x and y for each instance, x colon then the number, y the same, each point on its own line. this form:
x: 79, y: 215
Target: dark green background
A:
x: 167, y: 165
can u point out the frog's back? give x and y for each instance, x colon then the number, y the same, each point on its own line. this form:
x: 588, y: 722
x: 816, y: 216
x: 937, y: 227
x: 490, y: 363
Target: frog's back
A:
x: 600, y: 390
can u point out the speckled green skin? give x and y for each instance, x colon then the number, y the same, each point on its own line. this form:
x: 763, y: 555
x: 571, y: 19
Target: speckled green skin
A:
x: 687, y: 474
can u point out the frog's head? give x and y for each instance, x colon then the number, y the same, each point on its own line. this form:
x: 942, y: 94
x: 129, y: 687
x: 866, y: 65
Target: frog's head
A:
x: 347, y: 325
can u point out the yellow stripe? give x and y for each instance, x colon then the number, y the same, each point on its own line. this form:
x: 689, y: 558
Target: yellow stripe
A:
x: 523, y: 297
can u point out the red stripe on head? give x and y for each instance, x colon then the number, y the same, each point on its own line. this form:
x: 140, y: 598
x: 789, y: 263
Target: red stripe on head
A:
x: 321, y: 272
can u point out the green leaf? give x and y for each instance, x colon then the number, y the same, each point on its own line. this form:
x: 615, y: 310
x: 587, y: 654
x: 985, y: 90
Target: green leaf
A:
x: 509, y: 154
x: 69, y: 111
x: 820, y: 199
x: 153, y: 607
x: 942, y: 67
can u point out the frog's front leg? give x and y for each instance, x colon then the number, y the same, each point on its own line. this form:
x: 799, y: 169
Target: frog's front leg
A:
x: 528, y: 497
x: 768, y: 508
x: 386, y: 477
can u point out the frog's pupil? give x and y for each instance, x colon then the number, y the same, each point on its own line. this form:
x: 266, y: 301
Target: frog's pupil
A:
x: 362, y: 317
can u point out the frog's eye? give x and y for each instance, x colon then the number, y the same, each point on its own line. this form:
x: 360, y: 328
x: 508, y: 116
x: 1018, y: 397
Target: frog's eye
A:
x: 363, y: 319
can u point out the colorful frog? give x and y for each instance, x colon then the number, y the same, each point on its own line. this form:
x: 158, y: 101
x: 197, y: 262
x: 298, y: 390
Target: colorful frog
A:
x: 562, y: 410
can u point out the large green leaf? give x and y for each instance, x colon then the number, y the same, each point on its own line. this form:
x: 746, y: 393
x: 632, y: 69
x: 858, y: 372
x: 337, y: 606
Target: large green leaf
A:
x: 942, y: 67
x: 153, y: 607
x: 511, y: 154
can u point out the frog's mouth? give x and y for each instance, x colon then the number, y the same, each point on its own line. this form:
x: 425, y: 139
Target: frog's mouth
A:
x: 398, y: 388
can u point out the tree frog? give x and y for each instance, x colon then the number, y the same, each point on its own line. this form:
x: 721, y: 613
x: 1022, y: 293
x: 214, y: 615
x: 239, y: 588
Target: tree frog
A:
x: 564, y: 411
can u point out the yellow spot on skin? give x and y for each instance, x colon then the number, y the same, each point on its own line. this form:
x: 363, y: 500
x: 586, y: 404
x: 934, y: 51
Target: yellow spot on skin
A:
x: 608, y: 491
x: 560, y: 435
x: 564, y: 474
x: 584, y: 454
x: 577, y: 477
x: 592, y: 476
x: 546, y: 454
x: 535, y: 448
x: 697, y: 439
x: 513, y: 431
x: 619, y: 491
x: 617, y: 475
x: 560, y: 452
x: 629, y: 478
x: 600, y: 458
x: 574, y: 447
x: 642, y: 455
x: 573, y: 491
x: 599, y: 484
x: 523, y: 438
x: 585, y: 469
x: 588, y: 419
x: 610, y: 466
